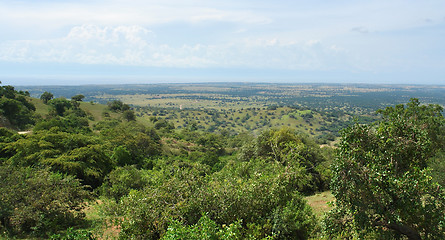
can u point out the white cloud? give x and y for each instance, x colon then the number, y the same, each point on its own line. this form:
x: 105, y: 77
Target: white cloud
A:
x: 296, y: 34
x: 40, y: 15
x: 135, y: 45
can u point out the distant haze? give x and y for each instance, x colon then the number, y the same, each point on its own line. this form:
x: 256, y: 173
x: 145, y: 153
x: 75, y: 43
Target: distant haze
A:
x: 96, y: 42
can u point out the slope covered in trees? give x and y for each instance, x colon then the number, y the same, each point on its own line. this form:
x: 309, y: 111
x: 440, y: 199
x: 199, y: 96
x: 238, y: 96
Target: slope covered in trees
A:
x: 155, y: 180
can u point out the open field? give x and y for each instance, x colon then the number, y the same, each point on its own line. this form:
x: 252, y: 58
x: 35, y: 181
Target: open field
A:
x: 351, y: 98
x: 319, y: 110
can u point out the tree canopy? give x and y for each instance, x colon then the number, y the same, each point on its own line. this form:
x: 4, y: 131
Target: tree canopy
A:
x: 46, y: 96
x: 15, y: 107
x: 380, y: 178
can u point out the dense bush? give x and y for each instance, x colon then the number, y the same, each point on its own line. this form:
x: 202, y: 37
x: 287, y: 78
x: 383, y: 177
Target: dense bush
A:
x: 16, y: 108
x: 205, y: 228
x: 287, y: 147
x: 140, y: 141
x: 255, y: 194
x: 39, y: 202
x: 71, y: 234
x: 122, y: 180
x: 70, y: 124
x: 381, y: 181
x: 293, y: 221
x: 79, y: 155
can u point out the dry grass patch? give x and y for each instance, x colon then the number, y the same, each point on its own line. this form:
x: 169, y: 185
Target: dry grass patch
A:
x: 319, y: 202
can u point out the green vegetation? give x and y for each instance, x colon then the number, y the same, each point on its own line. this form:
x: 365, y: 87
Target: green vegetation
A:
x: 380, y: 179
x: 255, y: 171
x: 39, y: 202
x: 15, y: 109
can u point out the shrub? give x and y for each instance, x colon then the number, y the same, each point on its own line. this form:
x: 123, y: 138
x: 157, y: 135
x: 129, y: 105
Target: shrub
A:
x: 39, y: 202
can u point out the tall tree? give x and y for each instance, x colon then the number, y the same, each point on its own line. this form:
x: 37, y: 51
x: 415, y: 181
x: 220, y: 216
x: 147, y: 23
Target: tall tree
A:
x: 60, y: 105
x: 46, y: 96
x: 380, y: 180
x: 15, y: 107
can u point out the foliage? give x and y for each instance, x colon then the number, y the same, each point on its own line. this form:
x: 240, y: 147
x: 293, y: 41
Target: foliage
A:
x: 16, y: 108
x: 205, y: 228
x: 438, y: 168
x: 77, y: 98
x: 118, y: 106
x: 60, y: 105
x: 122, y: 180
x: 184, y: 192
x: 107, y: 123
x: 428, y: 118
x: 72, y: 234
x: 38, y: 201
x: 147, y: 212
x: 291, y: 149
x: 6, y: 137
x: 129, y: 115
x: 380, y: 179
x: 141, y: 142
x: 46, y: 97
x: 75, y: 154
x: 293, y: 221
x: 163, y: 124
x: 69, y: 124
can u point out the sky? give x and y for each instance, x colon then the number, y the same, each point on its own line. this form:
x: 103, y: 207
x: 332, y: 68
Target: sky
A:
x: 76, y: 42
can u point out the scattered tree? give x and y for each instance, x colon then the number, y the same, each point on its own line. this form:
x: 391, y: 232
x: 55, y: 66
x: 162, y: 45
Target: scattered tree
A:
x: 78, y: 98
x: 129, y: 115
x: 46, y: 97
x: 60, y: 105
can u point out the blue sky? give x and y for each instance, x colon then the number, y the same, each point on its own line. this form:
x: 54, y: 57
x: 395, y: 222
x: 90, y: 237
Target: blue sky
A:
x: 117, y: 41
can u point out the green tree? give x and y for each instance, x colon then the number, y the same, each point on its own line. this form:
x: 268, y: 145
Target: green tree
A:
x: 164, y: 124
x: 79, y: 155
x: 78, y: 98
x: 46, y: 97
x: 141, y: 142
x: 291, y: 149
x: 39, y: 202
x: 122, y: 180
x: 129, y: 115
x: 380, y: 180
x: 15, y: 107
x: 60, y: 105
x: 183, y: 192
x: 118, y: 106
x: 205, y: 229
x: 70, y: 124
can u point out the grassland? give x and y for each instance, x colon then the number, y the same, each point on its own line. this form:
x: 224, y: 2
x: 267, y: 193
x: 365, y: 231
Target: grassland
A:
x: 319, y: 110
x: 320, y: 203
x: 252, y: 120
x: 351, y: 98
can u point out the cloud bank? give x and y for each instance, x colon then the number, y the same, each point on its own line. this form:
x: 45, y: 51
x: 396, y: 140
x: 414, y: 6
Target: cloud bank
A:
x: 361, y: 36
x: 136, y: 45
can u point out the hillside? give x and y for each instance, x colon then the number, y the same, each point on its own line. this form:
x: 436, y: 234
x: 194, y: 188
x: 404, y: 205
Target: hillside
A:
x: 323, y: 126
x: 265, y: 172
